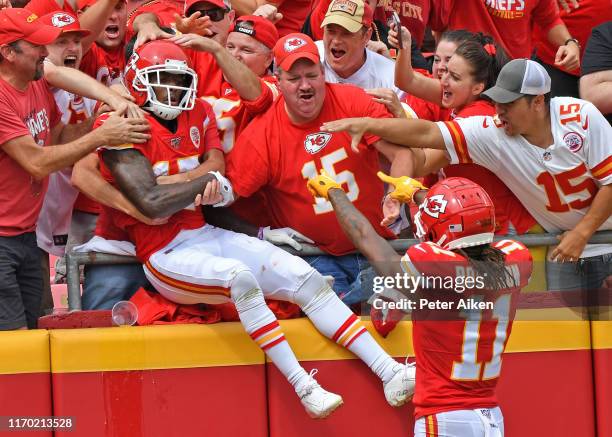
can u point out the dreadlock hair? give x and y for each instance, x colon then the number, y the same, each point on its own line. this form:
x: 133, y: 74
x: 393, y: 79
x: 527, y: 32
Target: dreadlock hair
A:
x: 485, y: 57
x: 490, y: 264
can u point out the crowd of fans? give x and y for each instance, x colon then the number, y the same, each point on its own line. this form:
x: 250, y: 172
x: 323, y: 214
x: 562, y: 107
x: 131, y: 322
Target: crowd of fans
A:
x: 63, y: 63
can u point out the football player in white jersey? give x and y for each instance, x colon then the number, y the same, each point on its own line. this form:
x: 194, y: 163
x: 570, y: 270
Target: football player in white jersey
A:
x: 555, y: 155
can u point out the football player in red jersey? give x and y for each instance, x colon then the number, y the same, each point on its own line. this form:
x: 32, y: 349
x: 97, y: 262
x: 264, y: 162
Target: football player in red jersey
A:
x: 190, y: 262
x: 459, y: 334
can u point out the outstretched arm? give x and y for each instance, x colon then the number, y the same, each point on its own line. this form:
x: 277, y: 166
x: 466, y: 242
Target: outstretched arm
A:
x: 409, y: 133
x: 376, y: 249
x: 244, y: 81
x: 135, y: 178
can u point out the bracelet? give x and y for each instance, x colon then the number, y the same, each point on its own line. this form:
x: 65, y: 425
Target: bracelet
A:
x: 574, y: 40
x: 260, y: 233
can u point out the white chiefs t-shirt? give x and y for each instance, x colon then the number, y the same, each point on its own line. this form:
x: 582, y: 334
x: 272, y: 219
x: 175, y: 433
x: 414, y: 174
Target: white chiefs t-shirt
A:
x: 557, y: 185
x: 56, y: 214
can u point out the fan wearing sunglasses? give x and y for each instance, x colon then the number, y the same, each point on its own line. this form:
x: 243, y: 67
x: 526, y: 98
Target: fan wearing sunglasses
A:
x: 210, y: 18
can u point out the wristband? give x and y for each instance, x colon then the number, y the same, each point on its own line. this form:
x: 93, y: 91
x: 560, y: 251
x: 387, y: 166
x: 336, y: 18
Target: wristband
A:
x: 572, y: 40
x: 260, y: 233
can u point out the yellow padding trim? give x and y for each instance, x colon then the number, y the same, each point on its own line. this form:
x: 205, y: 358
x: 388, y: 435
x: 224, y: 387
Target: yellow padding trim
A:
x: 24, y: 352
x: 602, y: 334
x: 152, y: 347
x: 539, y: 336
x: 527, y: 336
x: 310, y: 345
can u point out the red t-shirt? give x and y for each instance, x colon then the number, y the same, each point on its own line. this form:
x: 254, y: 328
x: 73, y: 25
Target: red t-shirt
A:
x: 31, y: 112
x: 508, y: 22
x: 278, y: 157
x: 414, y: 15
x: 294, y: 14
x: 579, y: 22
x: 102, y: 65
x: 163, y: 9
x: 508, y: 209
x: 169, y: 153
x: 459, y: 360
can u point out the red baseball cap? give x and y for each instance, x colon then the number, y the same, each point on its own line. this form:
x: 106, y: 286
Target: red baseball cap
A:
x: 257, y: 27
x: 65, y: 21
x: 18, y: 23
x: 225, y: 4
x: 292, y: 47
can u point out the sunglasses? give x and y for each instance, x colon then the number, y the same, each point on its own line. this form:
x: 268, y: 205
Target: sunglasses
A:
x: 215, y: 14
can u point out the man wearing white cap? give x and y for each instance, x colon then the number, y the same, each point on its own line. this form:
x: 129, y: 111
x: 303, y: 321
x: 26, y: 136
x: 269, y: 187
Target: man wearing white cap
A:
x: 347, y: 28
x: 555, y: 156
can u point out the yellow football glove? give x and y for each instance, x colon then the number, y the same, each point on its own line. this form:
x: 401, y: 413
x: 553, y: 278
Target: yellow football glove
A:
x: 321, y: 184
x: 405, y: 187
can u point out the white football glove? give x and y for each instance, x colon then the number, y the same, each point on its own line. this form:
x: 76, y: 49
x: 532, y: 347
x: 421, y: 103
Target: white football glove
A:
x: 286, y: 236
x: 226, y: 189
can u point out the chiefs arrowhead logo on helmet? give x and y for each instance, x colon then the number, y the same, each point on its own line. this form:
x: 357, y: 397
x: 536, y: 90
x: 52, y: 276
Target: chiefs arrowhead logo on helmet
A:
x: 435, y: 205
x: 315, y: 142
x: 456, y: 213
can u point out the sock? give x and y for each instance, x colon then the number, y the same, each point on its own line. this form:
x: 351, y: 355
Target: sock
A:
x: 261, y: 324
x: 337, y: 322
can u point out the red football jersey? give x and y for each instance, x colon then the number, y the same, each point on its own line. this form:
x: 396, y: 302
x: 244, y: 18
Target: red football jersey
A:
x: 104, y: 66
x: 459, y: 347
x: 508, y: 22
x: 169, y: 153
x: 278, y: 157
x: 233, y: 115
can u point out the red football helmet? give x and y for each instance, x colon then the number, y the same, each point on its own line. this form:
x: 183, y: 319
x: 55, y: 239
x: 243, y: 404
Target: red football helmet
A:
x: 142, y: 76
x: 456, y: 213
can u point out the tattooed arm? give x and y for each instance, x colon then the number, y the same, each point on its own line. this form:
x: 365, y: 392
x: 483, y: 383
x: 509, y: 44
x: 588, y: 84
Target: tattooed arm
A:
x: 376, y: 249
x: 135, y: 178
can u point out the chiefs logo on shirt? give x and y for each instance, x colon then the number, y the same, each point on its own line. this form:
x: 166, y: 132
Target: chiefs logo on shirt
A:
x: 435, y: 205
x: 315, y: 142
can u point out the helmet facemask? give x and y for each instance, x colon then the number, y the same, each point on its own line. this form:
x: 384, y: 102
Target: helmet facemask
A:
x: 149, y: 78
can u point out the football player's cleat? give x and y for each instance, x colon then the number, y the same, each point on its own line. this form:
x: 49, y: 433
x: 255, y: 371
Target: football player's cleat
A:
x: 400, y: 388
x: 319, y: 403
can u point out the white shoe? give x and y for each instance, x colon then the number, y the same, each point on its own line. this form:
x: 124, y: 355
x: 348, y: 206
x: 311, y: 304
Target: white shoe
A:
x: 400, y: 388
x: 319, y: 403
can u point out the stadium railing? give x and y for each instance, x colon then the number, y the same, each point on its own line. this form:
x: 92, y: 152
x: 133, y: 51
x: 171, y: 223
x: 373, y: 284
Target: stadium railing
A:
x: 76, y: 259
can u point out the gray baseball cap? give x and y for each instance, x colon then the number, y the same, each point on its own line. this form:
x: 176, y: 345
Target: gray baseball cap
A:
x: 518, y: 78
